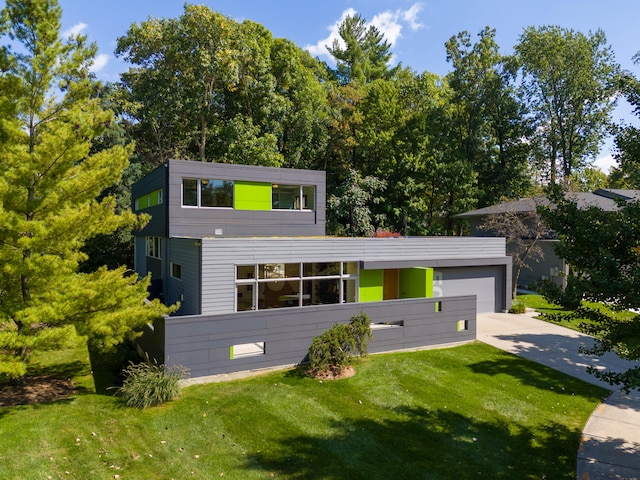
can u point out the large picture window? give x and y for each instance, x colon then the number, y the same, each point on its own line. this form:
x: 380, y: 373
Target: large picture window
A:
x: 280, y: 285
x: 207, y: 193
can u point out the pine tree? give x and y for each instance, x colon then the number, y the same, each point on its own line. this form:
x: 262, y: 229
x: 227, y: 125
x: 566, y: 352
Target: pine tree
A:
x: 49, y: 185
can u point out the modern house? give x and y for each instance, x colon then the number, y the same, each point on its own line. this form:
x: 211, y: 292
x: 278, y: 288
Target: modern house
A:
x: 550, y: 267
x: 243, y: 250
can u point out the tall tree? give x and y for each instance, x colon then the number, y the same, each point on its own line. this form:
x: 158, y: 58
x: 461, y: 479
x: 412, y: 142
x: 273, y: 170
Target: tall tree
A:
x: 489, y: 121
x: 603, y: 250
x: 205, y: 87
x: 362, y: 53
x: 627, y: 139
x: 569, y: 86
x: 49, y: 183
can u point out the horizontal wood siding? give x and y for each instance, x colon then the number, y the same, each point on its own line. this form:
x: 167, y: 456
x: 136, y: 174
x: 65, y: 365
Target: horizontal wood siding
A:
x: 202, y: 343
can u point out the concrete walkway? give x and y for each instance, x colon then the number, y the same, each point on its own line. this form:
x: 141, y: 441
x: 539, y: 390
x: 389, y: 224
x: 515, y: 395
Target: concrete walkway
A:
x: 610, y: 447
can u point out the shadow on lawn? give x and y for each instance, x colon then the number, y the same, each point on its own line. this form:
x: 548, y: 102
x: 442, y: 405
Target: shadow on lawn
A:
x: 562, y: 353
x: 429, y: 444
x: 531, y: 374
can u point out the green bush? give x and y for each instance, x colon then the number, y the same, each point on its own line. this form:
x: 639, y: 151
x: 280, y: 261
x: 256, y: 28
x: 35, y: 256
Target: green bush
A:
x: 569, y: 297
x: 330, y: 352
x: 518, y: 307
x: 147, y: 384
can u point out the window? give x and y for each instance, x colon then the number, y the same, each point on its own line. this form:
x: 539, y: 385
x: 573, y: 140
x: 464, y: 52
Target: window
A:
x: 154, y: 247
x: 244, y: 350
x: 149, y: 200
x: 176, y: 270
x: 292, y: 197
x: 281, y: 285
x: 216, y: 193
x: 207, y: 193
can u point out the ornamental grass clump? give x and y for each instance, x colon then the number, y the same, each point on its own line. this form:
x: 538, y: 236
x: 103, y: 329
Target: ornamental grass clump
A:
x: 330, y: 352
x: 148, y: 384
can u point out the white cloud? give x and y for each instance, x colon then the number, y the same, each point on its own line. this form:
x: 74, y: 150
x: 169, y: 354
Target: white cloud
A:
x: 390, y: 23
x: 411, y: 16
x: 99, y: 62
x: 605, y: 163
x: 75, y: 30
x: 320, y: 48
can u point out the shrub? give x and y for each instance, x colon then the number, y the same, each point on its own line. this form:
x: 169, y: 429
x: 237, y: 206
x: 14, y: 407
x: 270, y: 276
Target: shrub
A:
x: 330, y: 352
x: 147, y: 384
x: 569, y: 297
x: 518, y: 307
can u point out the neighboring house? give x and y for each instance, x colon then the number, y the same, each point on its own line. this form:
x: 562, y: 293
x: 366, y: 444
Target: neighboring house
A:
x: 551, y: 267
x: 243, y: 249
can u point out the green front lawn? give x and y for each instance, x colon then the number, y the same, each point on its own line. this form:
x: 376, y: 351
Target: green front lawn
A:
x: 539, y: 304
x: 465, y: 412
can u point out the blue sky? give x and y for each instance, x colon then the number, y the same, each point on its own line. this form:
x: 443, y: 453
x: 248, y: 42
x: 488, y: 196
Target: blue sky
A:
x: 417, y: 29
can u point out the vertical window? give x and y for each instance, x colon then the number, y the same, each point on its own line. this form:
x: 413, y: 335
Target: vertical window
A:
x: 154, y: 247
x: 190, y: 192
x: 176, y: 270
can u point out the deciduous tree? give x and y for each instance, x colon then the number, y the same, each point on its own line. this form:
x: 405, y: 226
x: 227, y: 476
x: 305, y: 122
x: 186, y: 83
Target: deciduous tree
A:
x: 603, y: 251
x: 570, y: 88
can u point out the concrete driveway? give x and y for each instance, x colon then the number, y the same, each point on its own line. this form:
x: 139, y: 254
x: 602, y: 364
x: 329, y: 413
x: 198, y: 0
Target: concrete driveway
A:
x: 610, y: 447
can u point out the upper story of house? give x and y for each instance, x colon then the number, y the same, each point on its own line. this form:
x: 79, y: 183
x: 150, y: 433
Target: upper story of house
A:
x: 201, y: 200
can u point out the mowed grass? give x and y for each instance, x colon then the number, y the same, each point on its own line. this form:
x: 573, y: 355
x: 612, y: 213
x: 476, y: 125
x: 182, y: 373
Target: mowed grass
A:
x: 539, y: 304
x: 466, y: 412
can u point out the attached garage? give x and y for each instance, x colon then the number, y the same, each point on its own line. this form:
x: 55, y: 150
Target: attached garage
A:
x: 486, y: 282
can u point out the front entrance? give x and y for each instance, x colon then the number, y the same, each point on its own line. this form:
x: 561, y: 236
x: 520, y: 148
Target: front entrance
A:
x: 390, y: 284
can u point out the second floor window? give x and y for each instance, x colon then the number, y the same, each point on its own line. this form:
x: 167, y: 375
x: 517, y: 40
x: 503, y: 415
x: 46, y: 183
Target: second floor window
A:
x: 207, y: 193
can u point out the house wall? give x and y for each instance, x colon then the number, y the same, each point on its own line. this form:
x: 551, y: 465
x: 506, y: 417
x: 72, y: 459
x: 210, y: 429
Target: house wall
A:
x: 186, y: 253
x: 550, y: 267
x: 242, y: 221
x: 220, y: 257
x: 203, y: 343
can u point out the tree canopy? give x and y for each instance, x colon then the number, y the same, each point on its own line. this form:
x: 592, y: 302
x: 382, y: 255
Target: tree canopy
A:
x: 570, y: 89
x: 603, y: 251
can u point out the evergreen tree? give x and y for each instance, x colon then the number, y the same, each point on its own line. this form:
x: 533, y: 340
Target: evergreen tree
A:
x: 49, y: 183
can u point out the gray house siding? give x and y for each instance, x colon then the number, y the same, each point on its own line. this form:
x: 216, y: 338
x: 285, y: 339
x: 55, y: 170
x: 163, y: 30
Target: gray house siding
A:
x: 186, y: 290
x: 220, y: 257
x: 203, y: 343
x: 171, y: 219
x: 551, y: 267
x: 206, y: 222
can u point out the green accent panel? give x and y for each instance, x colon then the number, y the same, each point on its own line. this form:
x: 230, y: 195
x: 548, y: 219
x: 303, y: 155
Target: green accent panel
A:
x: 371, y: 285
x: 231, y: 352
x: 416, y: 282
x: 252, y: 196
x: 154, y: 198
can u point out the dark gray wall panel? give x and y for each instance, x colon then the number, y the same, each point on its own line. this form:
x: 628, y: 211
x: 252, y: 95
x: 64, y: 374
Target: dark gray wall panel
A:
x: 201, y: 343
x: 186, y: 253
